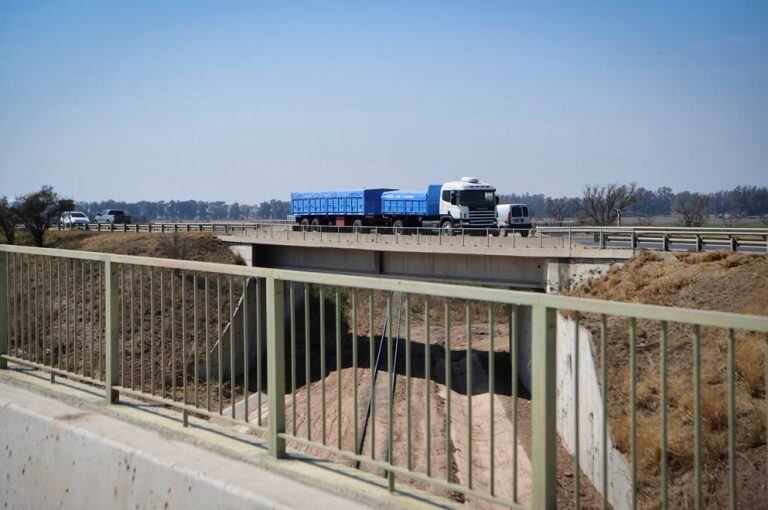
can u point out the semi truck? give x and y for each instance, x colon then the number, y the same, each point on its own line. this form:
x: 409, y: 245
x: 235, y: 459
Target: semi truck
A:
x: 465, y: 203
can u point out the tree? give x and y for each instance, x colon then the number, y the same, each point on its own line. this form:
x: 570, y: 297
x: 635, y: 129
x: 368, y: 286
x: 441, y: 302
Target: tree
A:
x: 692, y: 207
x: 558, y: 209
x: 600, y: 204
x: 8, y: 220
x: 39, y: 209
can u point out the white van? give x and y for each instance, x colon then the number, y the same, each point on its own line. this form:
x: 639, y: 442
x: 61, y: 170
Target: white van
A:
x: 513, y: 218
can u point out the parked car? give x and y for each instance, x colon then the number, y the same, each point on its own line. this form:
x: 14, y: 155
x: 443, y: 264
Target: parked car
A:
x: 72, y: 219
x: 513, y: 218
x: 112, y: 216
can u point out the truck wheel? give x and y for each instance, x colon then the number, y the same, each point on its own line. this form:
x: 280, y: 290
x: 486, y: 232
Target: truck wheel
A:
x: 357, y: 225
x: 524, y: 233
x: 398, y: 227
x: 304, y: 224
x: 316, y: 225
x: 446, y: 227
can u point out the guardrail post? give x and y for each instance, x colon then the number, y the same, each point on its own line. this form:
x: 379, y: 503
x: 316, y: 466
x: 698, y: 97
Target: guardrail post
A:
x: 699, y: 243
x: 602, y: 239
x: 4, y: 329
x: 633, y: 240
x: 734, y: 243
x: 665, y: 243
x: 766, y: 244
x: 175, y: 227
x: 112, y: 331
x: 276, y: 365
x: 544, y: 441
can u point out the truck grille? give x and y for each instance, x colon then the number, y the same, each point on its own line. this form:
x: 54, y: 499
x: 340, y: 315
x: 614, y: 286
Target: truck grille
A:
x: 482, y: 218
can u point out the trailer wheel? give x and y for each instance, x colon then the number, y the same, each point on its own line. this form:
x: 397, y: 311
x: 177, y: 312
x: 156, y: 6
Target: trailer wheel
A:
x: 524, y: 233
x: 398, y: 227
x: 316, y: 225
x: 304, y: 224
x: 446, y: 227
x: 357, y: 225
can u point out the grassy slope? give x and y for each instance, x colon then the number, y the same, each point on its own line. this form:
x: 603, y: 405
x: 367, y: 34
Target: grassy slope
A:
x: 712, y: 281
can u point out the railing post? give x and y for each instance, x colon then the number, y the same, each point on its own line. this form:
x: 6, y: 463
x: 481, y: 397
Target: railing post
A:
x: 112, y: 330
x: 3, y: 308
x: 276, y: 365
x: 544, y: 441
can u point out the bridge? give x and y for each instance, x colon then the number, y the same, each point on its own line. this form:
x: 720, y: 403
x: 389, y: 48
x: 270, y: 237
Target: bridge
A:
x: 309, y: 421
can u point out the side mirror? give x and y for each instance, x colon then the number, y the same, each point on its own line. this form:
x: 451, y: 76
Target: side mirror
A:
x: 453, y: 198
x: 497, y: 199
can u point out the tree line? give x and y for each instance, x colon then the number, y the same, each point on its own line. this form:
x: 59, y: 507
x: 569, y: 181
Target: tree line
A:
x: 190, y: 210
x: 632, y: 200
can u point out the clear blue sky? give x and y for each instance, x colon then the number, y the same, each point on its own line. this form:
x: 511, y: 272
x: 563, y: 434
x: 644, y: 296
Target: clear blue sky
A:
x: 244, y: 101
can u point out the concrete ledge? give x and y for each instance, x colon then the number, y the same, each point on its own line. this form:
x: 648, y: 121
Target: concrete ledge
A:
x: 474, y: 248
x: 62, y: 447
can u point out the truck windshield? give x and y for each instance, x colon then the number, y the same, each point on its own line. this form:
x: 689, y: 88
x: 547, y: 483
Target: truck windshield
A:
x: 477, y: 198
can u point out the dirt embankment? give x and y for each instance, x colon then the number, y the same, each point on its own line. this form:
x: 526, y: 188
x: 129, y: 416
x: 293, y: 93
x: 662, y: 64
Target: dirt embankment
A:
x: 720, y: 281
x: 198, y: 246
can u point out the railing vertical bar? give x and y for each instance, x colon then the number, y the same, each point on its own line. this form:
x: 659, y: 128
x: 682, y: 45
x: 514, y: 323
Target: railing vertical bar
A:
x: 59, y: 334
x: 184, y: 338
x: 356, y: 432
x: 232, y: 345
x: 543, y: 419
x: 246, y: 368
x: 731, y: 419
x: 84, y: 337
x: 409, y: 459
x: 322, y: 361
x: 220, y: 347
x: 101, y: 297
x: 470, y: 389
x: 5, y: 293
x: 292, y: 315
x: 663, y: 376
x: 141, y: 328
x: 132, y: 322
x: 123, y: 339
x: 162, y: 333
x: 276, y: 365
x: 50, y: 310
x: 93, y: 313
x: 576, y: 431
x: 206, y: 303
x: 36, y: 311
x: 697, y: 415
x: 173, y: 334
x: 491, y: 398
x: 448, y: 453
x: 372, y: 364
x: 259, y: 325
x: 338, y: 367
x: 391, y: 374
x: 633, y: 408
x: 428, y: 389
x: 74, y: 315
x: 152, y: 361
x: 307, y: 361
x: 604, y: 399
x: 112, y: 293
x: 68, y: 304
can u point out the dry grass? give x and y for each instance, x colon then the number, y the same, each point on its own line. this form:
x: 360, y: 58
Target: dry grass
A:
x: 714, y: 281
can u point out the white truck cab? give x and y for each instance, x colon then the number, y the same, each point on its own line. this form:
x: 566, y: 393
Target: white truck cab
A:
x: 513, y: 218
x: 467, y: 203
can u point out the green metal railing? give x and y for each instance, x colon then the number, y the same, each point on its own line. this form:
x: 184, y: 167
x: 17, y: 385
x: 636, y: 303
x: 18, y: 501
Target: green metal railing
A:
x: 182, y: 334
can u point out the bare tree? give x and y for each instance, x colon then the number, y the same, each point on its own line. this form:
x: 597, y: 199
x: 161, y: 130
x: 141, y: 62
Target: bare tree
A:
x: 601, y: 204
x: 692, y: 207
x: 8, y: 220
x: 39, y: 209
x: 558, y: 209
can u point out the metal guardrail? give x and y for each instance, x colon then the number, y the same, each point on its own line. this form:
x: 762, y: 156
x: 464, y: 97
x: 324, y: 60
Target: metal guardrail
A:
x: 148, y: 328
x: 753, y: 240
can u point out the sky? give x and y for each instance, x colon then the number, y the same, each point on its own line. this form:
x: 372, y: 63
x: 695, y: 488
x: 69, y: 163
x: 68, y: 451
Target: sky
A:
x: 247, y: 101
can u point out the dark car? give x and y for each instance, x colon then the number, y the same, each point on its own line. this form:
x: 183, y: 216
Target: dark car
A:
x: 112, y: 216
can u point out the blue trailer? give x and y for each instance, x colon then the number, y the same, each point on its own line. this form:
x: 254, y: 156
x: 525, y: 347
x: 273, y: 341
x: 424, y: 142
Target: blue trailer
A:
x: 340, y: 207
